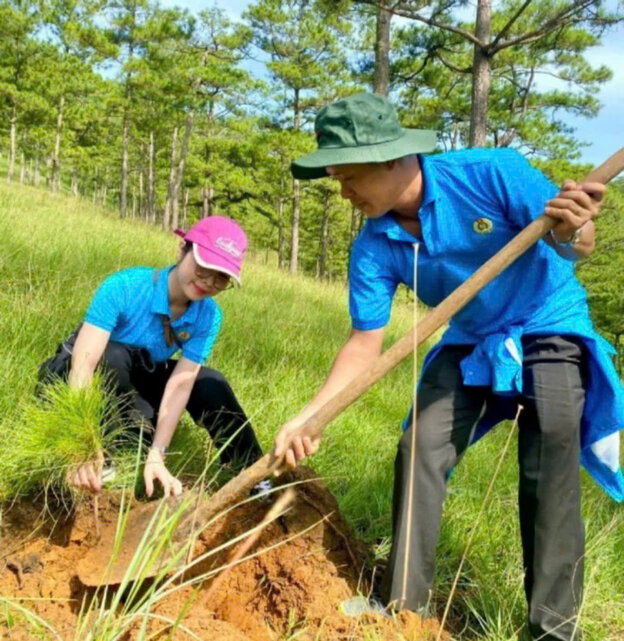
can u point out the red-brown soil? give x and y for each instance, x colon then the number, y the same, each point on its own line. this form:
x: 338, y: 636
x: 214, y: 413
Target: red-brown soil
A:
x: 306, y: 563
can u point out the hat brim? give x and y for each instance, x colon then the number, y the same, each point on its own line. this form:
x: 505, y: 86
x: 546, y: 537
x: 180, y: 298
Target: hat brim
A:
x: 413, y: 141
x: 214, y: 261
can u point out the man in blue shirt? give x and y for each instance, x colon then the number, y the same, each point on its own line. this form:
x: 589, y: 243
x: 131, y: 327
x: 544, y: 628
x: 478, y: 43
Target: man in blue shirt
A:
x: 526, y: 339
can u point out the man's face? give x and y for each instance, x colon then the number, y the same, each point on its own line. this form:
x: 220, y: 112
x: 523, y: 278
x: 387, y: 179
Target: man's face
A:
x: 368, y: 186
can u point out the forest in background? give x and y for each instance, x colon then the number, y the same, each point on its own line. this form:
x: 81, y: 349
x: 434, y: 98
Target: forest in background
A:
x: 168, y: 115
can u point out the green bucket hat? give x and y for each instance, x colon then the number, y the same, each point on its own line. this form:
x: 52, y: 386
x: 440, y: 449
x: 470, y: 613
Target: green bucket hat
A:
x: 360, y: 129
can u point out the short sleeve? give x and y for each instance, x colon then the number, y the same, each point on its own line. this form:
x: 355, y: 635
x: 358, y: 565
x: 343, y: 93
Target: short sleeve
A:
x: 524, y: 189
x: 199, y: 347
x: 107, y: 304
x: 371, y: 285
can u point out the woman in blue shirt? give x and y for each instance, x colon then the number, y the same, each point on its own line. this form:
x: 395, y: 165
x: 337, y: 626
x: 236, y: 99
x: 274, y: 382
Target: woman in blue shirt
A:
x: 137, y: 319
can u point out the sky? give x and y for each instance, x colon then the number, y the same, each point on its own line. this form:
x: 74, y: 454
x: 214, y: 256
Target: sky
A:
x: 604, y: 134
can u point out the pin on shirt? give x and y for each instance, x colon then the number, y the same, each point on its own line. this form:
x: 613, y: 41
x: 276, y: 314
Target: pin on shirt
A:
x: 483, y: 226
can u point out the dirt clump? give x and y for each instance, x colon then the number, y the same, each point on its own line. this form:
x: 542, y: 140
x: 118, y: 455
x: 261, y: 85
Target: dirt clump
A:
x: 291, y: 583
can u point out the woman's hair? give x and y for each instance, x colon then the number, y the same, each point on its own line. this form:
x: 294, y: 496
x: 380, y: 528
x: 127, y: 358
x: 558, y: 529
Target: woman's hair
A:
x: 184, y: 250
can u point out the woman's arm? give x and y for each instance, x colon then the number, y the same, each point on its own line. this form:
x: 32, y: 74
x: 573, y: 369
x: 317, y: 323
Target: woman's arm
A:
x: 174, y: 401
x: 88, y: 349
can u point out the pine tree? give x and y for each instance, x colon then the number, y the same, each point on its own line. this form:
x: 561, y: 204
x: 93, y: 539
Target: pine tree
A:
x: 302, y: 41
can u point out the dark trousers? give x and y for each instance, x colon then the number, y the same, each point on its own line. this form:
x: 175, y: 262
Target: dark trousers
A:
x: 139, y: 384
x: 549, y: 491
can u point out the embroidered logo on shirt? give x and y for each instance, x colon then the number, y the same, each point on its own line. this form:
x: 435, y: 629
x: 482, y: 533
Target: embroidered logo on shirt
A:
x: 183, y: 336
x: 228, y: 245
x: 483, y: 225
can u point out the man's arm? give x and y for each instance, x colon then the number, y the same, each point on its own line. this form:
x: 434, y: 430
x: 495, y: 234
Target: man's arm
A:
x: 174, y: 401
x: 360, y: 350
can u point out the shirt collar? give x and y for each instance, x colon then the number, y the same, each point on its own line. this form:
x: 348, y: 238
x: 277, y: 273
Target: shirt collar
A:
x: 388, y: 225
x: 430, y: 187
x: 190, y: 314
x: 160, y: 300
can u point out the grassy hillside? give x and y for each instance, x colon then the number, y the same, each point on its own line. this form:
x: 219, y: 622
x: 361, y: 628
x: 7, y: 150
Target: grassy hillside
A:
x: 278, y: 340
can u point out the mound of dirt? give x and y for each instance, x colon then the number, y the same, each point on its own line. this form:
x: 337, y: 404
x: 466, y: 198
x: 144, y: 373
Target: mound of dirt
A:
x: 302, y: 567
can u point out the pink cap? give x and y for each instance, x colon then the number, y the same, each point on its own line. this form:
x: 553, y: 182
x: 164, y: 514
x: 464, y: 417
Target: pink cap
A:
x: 218, y: 243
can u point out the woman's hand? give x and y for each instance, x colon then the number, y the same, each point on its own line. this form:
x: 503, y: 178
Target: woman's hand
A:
x: 155, y: 469
x: 87, y: 476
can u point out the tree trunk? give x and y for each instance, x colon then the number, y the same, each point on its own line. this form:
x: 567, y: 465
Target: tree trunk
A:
x: 150, y: 180
x: 185, y: 207
x: 294, y: 234
x: 454, y: 137
x: 204, y: 201
x: 37, y: 176
x: 134, y: 202
x: 141, y: 199
x: 381, y: 78
x: 22, y: 168
x: 175, y: 197
x: 105, y: 188
x: 56, y: 158
x: 123, y: 188
x: 207, y: 201
x: 281, y: 259
x: 74, y: 183
x: 12, y: 144
x: 171, y: 181
x: 95, y: 184
x: 480, y: 76
x: 324, y: 236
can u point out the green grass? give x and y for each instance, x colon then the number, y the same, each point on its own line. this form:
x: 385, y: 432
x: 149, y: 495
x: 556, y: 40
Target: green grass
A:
x: 278, y: 340
x: 52, y: 432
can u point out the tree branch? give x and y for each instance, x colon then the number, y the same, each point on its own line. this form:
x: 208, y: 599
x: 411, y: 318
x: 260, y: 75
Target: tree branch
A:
x: 510, y: 23
x: 451, y: 66
x: 550, y: 25
x: 413, y: 15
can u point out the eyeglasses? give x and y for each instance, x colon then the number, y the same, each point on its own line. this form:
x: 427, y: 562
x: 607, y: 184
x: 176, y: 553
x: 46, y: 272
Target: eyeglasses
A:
x: 213, y: 277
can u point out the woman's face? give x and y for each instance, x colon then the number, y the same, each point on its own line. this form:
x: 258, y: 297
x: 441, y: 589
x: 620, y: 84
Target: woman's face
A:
x: 199, y: 282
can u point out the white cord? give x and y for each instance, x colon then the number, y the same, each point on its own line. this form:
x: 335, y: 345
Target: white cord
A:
x: 410, y: 490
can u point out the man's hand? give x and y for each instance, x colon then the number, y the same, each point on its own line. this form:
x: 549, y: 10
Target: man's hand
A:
x: 296, y: 442
x: 155, y: 469
x: 575, y: 205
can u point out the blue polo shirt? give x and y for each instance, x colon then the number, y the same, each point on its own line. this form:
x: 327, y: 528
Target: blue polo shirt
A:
x: 474, y: 203
x: 130, y: 305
